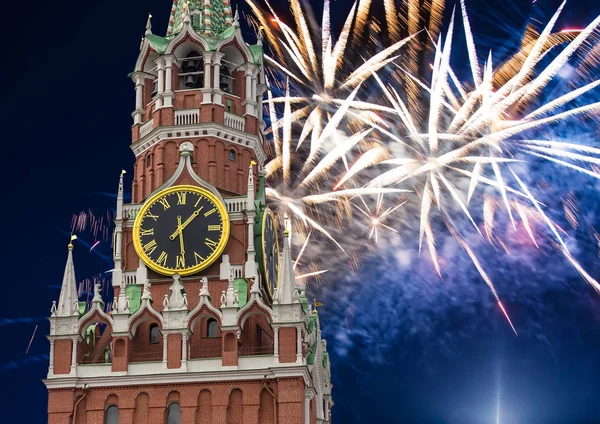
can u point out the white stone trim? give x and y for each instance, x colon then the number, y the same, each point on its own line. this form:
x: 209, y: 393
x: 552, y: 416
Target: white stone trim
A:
x: 176, y: 377
x: 212, y: 130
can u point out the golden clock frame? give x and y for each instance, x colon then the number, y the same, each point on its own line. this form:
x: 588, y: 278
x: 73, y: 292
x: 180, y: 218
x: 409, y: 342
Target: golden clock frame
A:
x: 268, y: 211
x: 137, y: 243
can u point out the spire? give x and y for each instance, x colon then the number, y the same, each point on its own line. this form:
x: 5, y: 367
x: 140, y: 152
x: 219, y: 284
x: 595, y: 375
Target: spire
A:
x: 120, y: 196
x: 149, y: 25
x: 215, y: 16
x: 286, y: 289
x: 251, y: 187
x: 68, y: 302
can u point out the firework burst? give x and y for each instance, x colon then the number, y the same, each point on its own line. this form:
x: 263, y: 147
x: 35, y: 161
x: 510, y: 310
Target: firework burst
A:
x: 456, y: 148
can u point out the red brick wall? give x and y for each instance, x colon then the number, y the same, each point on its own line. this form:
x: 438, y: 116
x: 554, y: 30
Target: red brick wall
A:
x: 266, y: 413
x: 204, y: 410
x: 62, y: 356
x: 235, y: 410
x: 141, y: 349
x: 230, y: 349
x: 142, y: 409
x: 291, y: 401
x: 174, y: 351
x: 209, y: 403
x: 287, y: 344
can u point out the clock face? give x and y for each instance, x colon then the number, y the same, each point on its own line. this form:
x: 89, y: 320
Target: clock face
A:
x: 270, y: 251
x: 182, y: 229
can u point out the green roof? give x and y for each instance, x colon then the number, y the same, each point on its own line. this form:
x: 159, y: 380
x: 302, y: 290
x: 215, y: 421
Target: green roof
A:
x: 158, y: 43
x: 311, y: 322
x: 241, y: 285
x: 325, y: 359
x: 82, y: 308
x: 215, y: 16
x: 310, y: 359
x: 257, y: 52
x: 304, y: 303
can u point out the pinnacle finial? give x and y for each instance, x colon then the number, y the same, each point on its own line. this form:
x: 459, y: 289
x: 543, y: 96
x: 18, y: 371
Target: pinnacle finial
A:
x: 149, y: 25
x: 73, y: 237
x: 236, y: 17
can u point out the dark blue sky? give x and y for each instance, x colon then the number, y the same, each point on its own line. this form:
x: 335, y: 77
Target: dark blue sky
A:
x: 65, y: 109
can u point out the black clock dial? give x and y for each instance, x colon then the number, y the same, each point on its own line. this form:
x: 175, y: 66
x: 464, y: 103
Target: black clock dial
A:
x: 270, y: 251
x: 181, y: 230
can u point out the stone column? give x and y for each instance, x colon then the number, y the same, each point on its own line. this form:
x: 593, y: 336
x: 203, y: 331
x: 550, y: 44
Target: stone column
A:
x: 184, y: 349
x: 218, y: 94
x: 51, y: 367
x: 168, y: 95
x: 276, y: 344
x: 160, y: 83
x: 139, y: 98
x: 165, y: 352
x: 299, y: 345
x: 74, y: 355
x: 207, y: 90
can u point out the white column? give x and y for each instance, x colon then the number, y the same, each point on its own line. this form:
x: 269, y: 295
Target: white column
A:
x: 253, y: 86
x: 276, y: 345
x: 139, y: 98
x: 218, y: 94
x: 248, y: 85
x: 51, y: 367
x: 74, y: 356
x: 165, y: 349
x: 207, y: 90
x: 184, y: 337
x: 168, y: 97
x: 299, y: 345
x: 160, y: 83
x: 307, y: 398
x: 207, y: 66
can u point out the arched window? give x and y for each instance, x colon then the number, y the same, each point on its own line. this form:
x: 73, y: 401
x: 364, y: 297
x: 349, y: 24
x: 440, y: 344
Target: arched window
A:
x: 232, y: 154
x: 226, y: 80
x: 154, y: 333
x: 174, y: 414
x: 211, y: 328
x: 112, y: 415
x: 191, y: 74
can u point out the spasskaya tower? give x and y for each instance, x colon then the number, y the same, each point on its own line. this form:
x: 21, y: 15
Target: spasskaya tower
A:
x: 207, y: 324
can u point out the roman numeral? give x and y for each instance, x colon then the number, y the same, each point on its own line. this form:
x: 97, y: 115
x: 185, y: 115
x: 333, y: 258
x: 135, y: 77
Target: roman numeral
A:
x: 149, y: 232
x: 198, y: 258
x: 211, y: 244
x: 181, y: 198
x: 162, y: 259
x: 180, y: 261
x: 165, y: 203
x: 214, y: 227
x: 149, y: 215
x: 198, y: 201
x: 210, y: 212
x: 150, y: 247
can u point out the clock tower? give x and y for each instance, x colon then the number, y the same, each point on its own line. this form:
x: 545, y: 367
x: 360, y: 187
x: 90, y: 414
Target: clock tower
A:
x: 207, y: 324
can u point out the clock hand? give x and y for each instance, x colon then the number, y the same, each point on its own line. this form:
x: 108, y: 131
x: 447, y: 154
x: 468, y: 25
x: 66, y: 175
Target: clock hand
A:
x: 181, y: 244
x: 185, y: 224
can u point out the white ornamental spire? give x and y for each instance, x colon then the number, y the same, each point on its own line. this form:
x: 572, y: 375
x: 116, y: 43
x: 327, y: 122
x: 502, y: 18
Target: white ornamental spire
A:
x: 286, y: 289
x: 149, y: 25
x: 68, y: 302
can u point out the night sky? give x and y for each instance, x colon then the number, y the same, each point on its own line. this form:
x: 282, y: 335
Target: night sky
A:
x: 65, y: 109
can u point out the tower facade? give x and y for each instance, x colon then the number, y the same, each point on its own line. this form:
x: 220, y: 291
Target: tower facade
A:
x: 207, y: 324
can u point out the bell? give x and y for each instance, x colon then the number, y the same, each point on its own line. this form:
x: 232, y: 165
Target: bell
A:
x: 190, y: 81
